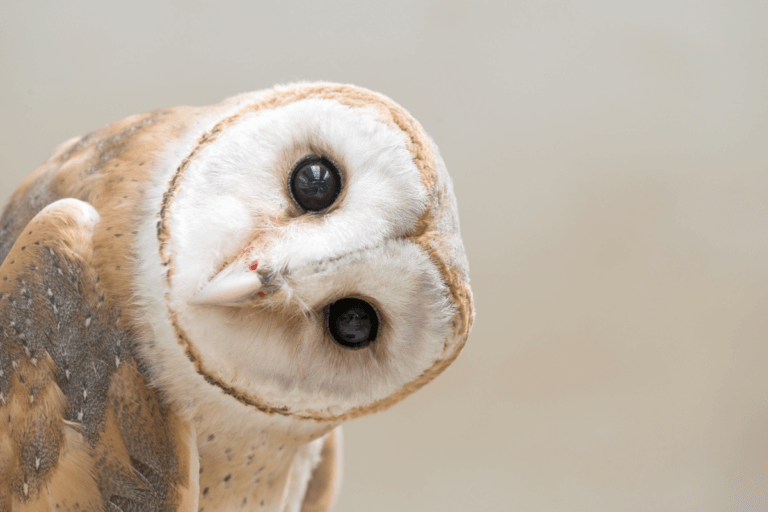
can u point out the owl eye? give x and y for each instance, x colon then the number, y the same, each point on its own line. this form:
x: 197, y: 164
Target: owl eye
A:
x: 353, y: 323
x: 315, y: 184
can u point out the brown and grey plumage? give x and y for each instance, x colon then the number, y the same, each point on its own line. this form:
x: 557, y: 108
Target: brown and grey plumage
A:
x: 82, y: 429
x: 127, y: 384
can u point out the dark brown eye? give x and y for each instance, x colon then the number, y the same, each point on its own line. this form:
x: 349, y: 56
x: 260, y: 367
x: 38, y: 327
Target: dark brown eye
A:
x: 353, y: 323
x: 315, y: 184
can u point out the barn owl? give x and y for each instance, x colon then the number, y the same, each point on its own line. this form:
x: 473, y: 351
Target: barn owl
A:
x: 194, y: 299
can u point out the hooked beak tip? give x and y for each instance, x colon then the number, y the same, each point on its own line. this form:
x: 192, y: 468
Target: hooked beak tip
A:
x: 231, y: 286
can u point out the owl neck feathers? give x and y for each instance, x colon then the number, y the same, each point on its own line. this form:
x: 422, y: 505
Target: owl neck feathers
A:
x: 258, y: 465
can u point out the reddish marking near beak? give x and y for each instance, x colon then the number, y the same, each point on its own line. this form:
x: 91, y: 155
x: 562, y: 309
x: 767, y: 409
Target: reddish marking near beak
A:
x: 254, y: 265
x: 260, y: 293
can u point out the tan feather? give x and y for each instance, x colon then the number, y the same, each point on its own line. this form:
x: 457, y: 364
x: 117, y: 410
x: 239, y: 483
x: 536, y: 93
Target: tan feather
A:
x: 75, y: 435
x: 326, y: 478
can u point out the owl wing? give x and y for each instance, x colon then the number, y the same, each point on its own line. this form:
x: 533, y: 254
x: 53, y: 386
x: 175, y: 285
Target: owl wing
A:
x: 80, y: 427
x: 323, y: 487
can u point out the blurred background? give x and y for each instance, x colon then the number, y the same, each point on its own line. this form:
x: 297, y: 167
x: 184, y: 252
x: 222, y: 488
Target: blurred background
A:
x: 610, y: 161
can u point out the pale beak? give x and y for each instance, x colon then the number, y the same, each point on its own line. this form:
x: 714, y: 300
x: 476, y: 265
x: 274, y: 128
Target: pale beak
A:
x: 235, y: 284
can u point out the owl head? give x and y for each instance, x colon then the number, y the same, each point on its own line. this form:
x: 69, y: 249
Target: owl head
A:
x: 311, y: 259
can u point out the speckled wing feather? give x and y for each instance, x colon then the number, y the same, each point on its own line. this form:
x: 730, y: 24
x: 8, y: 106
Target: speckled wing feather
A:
x: 80, y: 429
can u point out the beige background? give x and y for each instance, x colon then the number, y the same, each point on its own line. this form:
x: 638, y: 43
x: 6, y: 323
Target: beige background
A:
x: 610, y: 164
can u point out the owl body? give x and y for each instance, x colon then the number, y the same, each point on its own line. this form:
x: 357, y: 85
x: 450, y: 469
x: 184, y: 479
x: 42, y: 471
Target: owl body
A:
x: 217, y: 283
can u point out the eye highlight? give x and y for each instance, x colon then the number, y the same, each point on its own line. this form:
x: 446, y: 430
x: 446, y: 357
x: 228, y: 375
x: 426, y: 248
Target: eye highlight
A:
x: 315, y: 183
x: 353, y: 323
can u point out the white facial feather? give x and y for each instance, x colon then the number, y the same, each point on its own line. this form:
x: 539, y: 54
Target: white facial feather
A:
x: 236, y: 193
